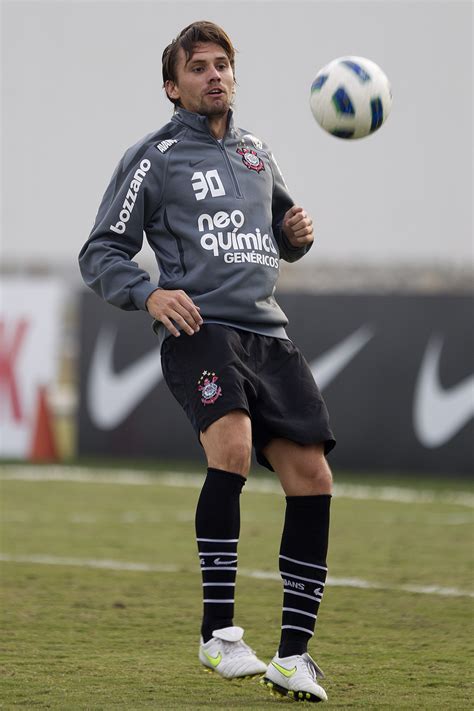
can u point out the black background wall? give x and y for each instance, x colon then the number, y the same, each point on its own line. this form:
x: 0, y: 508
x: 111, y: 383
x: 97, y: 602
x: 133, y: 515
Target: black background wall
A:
x: 395, y: 371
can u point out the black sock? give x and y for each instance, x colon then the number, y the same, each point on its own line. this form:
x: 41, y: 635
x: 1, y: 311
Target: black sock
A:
x: 303, y: 552
x: 217, y: 534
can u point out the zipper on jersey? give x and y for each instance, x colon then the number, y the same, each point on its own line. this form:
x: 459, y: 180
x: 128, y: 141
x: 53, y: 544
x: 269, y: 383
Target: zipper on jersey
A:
x: 238, y: 192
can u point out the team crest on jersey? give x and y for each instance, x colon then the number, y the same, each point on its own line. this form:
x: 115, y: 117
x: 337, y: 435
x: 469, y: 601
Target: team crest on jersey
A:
x: 208, y: 387
x: 251, y: 159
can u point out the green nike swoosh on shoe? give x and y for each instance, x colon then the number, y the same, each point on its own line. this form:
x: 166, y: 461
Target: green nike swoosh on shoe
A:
x: 227, y: 654
x: 298, y: 678
x: 214, y: 660
x: 282, y: 670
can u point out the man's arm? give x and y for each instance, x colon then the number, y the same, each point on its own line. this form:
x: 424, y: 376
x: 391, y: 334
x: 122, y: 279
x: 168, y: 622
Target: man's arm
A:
x: 297, y: 227
x: 292, y: 227
x: 174, y: 306
x: 106, y: 258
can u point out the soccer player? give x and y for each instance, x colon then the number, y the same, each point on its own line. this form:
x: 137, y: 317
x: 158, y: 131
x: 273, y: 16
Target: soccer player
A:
x: 215, y: 209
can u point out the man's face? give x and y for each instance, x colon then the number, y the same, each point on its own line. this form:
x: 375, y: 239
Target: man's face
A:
x: 204, y: 84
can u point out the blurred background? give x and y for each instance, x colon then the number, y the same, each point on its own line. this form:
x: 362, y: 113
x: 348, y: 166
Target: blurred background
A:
x: 381, y: 307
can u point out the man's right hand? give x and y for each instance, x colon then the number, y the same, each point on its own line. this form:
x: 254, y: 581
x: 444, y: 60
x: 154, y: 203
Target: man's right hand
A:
x: 174, y: 305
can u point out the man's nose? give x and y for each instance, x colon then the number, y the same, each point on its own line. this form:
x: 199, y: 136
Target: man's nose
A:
x: 214, y: 74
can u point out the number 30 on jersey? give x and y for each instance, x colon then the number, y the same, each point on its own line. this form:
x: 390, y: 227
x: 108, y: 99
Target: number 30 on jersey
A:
x: 208, y: 182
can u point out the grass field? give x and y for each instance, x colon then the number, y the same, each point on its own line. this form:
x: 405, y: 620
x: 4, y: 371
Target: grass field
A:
x: 101, y: 594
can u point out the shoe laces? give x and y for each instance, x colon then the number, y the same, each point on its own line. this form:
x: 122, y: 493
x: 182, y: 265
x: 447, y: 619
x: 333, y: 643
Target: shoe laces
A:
x: 315, y: 671
x: 236, y: 649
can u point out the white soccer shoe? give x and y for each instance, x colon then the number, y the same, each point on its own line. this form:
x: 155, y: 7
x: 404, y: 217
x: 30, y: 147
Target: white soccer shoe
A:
x: 295, y: 677
x: 228, y: 655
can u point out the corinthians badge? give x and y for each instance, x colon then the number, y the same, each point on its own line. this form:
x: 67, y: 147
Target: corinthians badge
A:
x: 251, y: 159
x: 208, y: 387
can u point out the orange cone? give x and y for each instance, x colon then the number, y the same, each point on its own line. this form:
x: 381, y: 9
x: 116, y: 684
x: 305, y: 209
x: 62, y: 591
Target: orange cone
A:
x: 43, y: 444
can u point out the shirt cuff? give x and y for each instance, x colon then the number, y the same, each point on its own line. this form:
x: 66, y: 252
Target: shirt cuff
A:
x: 291, y: 253
x: 140, y: 293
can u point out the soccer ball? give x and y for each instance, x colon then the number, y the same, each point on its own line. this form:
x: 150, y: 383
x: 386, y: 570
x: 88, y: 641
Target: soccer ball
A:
x: 351, y: 97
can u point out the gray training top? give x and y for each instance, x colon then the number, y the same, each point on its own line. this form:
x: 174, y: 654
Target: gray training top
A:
x: 212, y: 213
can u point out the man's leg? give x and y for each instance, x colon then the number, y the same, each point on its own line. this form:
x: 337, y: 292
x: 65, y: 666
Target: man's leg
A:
x: 227, y: 443
x: 306, y: 479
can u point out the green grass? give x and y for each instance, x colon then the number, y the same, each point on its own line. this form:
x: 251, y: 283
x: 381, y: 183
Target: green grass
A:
x: 85, y: 638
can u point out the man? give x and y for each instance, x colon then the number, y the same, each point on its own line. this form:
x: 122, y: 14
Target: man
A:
x: 215, y: 210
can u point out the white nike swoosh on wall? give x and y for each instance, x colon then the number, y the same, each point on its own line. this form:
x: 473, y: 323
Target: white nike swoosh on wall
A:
x: 439, y: 413
x: 112, y: 396
x: 327, y: 366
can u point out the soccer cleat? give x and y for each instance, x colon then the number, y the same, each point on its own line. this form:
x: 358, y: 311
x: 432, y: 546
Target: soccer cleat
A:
x: 295, y: 677
x: 228, y: 655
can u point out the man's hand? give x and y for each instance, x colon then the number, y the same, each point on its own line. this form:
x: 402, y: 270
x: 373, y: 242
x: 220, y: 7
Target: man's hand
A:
x: 298, y: 227
x: 174, y: 305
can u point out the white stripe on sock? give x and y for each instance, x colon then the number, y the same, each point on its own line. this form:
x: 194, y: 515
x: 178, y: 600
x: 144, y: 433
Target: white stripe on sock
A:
x: 218, y: 584
x: 218, y: 567
x: 301, y: 629
x: 310, y: 597
x: 301, y: 562
x: 220, y: 601
x: 300, y: 577
x: 299, y: 612
x: 227, y: 553
x: 217, y: 540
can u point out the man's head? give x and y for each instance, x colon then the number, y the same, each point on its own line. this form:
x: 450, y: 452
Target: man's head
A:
x: 198, y: 69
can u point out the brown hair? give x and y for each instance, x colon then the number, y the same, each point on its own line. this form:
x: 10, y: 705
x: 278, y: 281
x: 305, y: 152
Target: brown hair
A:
x: 202, y: 31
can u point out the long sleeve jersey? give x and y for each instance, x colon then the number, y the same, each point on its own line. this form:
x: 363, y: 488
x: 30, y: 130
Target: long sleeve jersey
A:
x: 211, y: 211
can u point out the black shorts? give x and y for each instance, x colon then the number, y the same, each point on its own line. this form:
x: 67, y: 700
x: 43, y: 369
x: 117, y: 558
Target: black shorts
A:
x: 220, y: 369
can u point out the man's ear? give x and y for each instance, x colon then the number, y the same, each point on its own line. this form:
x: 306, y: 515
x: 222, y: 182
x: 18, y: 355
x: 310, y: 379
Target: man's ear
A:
x: 171, y: 89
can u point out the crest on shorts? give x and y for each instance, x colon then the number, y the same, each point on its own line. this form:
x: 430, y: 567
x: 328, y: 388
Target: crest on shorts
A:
x: 251, y: 159
x: 208, y: 387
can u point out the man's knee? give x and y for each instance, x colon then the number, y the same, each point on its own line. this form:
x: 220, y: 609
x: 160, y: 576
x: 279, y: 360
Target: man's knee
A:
x: 302, y: 469
x: 314, y: 469
x: 322, y: 473
x: 228, y: 443
x: 235, y: 457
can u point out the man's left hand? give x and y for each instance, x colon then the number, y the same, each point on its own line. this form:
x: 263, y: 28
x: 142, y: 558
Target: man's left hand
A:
x: 298, y: 227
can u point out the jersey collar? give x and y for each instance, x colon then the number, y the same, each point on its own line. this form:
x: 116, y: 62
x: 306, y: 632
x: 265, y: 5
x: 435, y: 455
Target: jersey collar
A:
x: 198, y: 121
